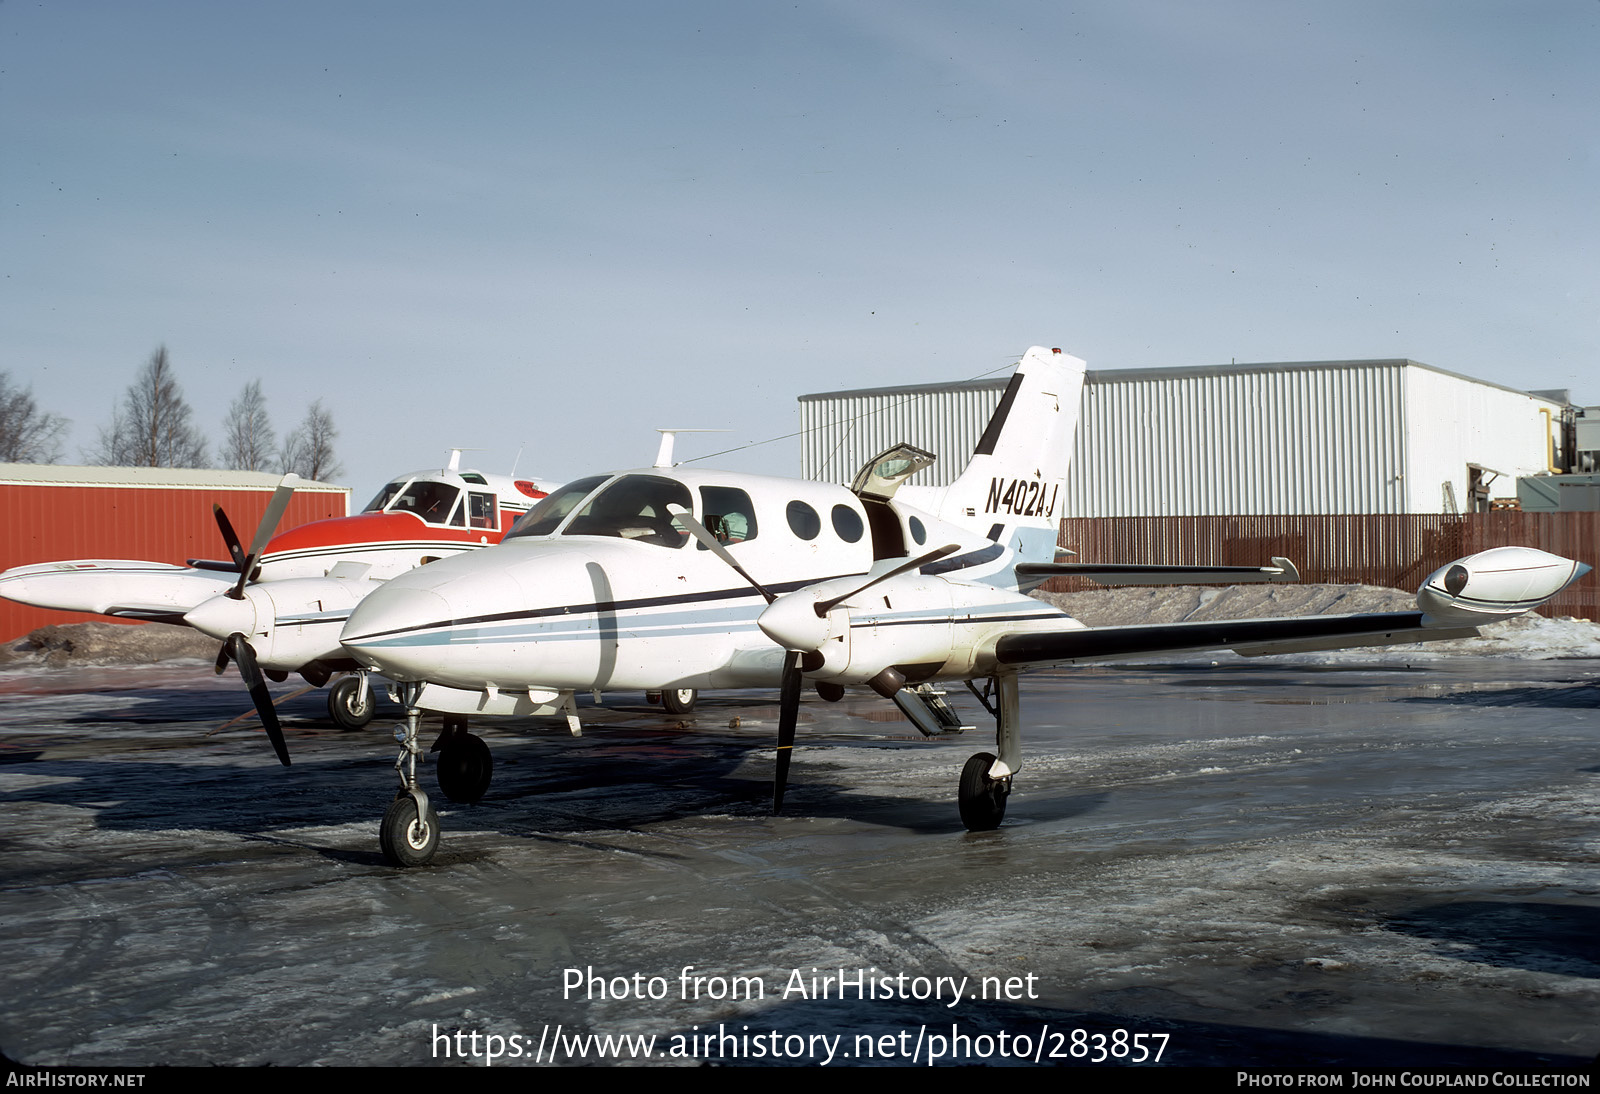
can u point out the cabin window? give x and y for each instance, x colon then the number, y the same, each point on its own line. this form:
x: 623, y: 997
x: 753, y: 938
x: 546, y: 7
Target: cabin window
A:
x: 918, y: 532
x: 544, y: 518
x: 847, y: 522
x: 728, y: 514
x: 635, y: 507
x: 803, y: 520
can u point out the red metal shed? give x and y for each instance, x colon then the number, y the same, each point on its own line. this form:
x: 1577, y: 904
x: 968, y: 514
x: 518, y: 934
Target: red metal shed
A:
x: 155, y: 514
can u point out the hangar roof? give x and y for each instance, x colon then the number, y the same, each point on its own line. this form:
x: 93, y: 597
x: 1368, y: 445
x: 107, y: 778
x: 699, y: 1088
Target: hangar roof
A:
x: 1115, y: 375
x: 179, y: 478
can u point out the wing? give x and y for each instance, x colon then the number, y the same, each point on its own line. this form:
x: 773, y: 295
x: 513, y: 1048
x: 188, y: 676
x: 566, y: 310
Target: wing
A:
x: 1250, y: 637
x: 1456, y: 599
x: 123, y: 589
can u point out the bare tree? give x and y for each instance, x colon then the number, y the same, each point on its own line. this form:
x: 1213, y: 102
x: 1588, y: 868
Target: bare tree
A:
x: 247, y: 436
x: 151, y: 428
x: 308, y: 450
x: 27, y: 435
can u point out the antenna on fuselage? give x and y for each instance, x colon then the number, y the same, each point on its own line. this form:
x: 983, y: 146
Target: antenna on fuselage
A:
x: 668, y: 436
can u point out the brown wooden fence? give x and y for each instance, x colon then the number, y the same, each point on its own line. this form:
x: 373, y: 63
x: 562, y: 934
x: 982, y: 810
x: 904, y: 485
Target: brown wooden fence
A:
x: 1398, y: 551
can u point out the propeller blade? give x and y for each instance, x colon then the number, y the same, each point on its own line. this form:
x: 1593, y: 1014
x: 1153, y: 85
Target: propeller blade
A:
x: 229, y: 536
x: 827, y: 606
x: 222, y: 658
x: 274, y: 513
x: 264, y: 530
x: 788, y: 715
x: 259, y: 695
x: 701, y: 533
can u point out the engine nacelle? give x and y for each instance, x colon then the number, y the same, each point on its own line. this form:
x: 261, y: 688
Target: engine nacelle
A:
x: 906, y: 620
x: 287, y: 623
x: 1495, y: 584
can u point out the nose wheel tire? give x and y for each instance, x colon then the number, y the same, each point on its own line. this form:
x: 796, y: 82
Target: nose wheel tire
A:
x: 982, y: 799
x: 406, y: 839
x: 345, y: 706
x: 465, y: 767
x: 678, y: 700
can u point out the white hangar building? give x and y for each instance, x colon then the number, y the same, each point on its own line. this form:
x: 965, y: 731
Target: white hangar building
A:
x: 1387, y: 436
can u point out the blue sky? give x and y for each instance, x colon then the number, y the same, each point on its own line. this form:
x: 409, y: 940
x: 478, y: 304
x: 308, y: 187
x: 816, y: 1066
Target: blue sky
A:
x: 554, y: 227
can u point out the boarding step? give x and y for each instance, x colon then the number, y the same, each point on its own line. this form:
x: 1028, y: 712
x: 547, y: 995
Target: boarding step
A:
x: 926, y: 707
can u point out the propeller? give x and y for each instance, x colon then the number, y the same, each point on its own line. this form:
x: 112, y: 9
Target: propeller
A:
x: 789, y: 691
x: 788, y: 717
x: 801, y: 637
x: 798, y: 621
x: 237, y: 646
x: 712, y: 544
x: 264, y: 530
x: 229, y: 537
x: 921, y: 560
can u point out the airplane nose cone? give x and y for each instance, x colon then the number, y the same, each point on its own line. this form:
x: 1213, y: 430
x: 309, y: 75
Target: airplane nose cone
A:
x: 398, y: 631
x: 222, y: 615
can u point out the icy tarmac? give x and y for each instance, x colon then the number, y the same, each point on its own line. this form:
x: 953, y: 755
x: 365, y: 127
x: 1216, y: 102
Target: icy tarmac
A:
x: 1243, y: 864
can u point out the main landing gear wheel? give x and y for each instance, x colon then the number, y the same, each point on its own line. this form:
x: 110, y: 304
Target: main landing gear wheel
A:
x: 405, y: 839
x: 345, y: 706
x: 982, y: 799
x: 678, y: 700
x: 464, y: 768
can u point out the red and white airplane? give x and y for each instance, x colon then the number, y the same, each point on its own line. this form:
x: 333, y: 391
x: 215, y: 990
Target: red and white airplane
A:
x: 667, y: 577
x: 280, y: 606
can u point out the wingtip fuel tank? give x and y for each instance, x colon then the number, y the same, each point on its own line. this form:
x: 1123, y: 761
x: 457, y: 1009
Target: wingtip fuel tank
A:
x: 1495, y: 584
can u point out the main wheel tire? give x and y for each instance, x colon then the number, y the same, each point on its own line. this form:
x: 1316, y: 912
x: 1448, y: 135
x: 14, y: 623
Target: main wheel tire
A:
x: 465, y: 767
x: 982, y: 799
x: 345, y: 706
x: 405, y: 840
x: 679, y: 700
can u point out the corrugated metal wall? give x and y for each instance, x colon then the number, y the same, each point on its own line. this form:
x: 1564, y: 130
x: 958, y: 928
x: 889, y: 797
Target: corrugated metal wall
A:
x: 842, y: 431
x: 1328, y: 439
x: 1318, y: 437
x: 52, y: 523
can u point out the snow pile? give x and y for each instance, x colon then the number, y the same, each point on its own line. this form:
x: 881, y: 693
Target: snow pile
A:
x: 106, y: 643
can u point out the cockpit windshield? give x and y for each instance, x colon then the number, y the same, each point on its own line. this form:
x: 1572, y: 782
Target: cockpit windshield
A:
x: 434, y: 502
x: 385, y: 496
x: 545, y: 517
x: 635, y: 507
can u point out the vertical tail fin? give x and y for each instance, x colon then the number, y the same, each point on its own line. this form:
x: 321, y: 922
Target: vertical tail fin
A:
x: 1011, y: 491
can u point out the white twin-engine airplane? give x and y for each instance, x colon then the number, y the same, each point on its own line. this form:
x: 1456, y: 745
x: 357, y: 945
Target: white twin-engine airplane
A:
x: 279, y: 607
x: 665, y: 578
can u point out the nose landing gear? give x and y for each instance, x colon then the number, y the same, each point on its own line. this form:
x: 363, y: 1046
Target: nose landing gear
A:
x: 409, y: 832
